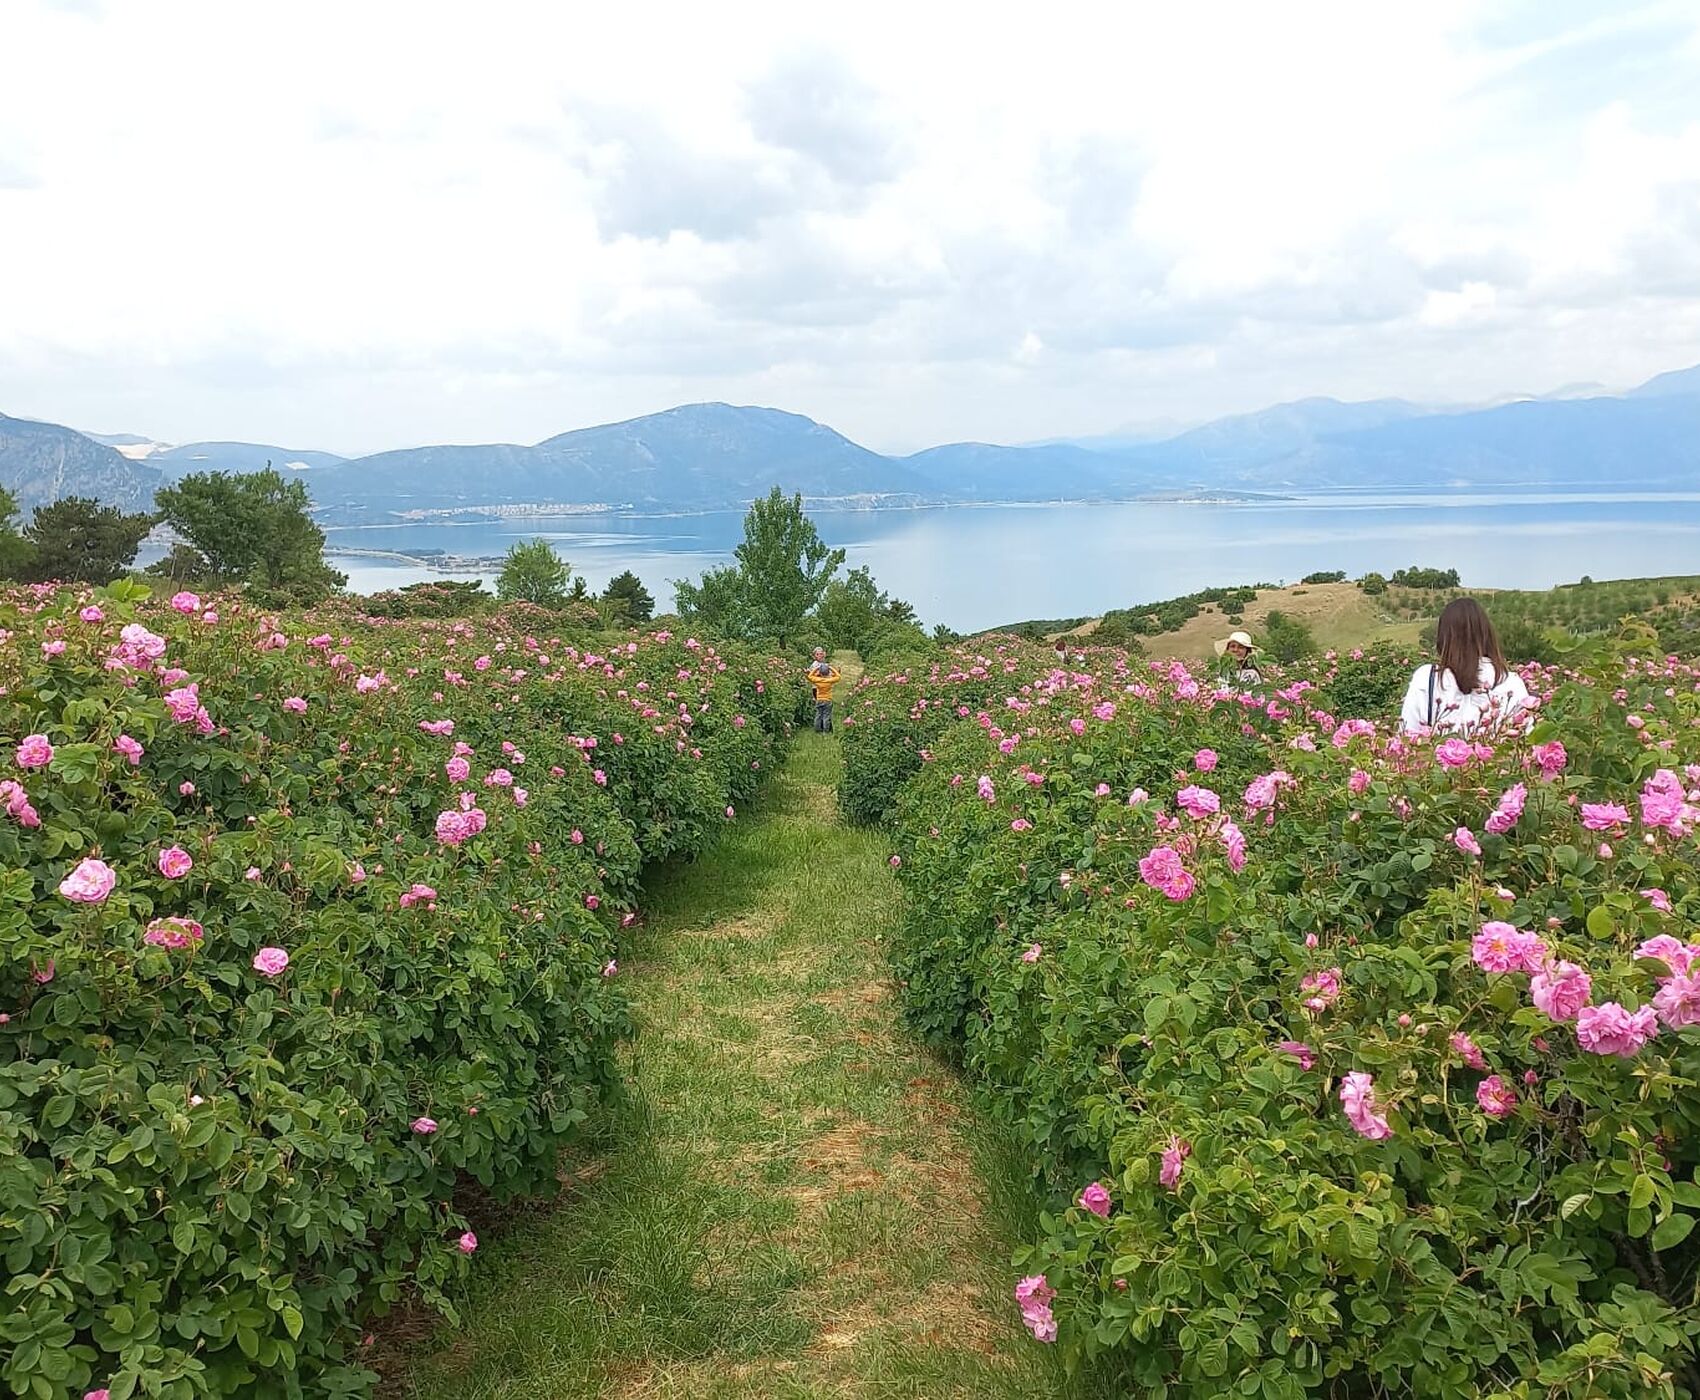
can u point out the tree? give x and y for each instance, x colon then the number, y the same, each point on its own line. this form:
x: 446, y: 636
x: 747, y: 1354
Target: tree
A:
x: 16, y: 552
x: 1373, y: 583
x: 80, y: 540
x: 785, y: 565
x: 853, y: 608
x: 633, y: 598
x: 717, y: 600
x: 1286, y: 638
x: 252, y: 528
x: 534, y: 573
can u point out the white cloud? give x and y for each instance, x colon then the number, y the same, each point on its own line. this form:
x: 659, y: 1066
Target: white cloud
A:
x: 360, y: 225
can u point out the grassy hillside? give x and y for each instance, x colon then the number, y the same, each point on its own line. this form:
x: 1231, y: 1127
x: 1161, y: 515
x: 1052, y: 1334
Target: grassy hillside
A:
x: 1342, y: 615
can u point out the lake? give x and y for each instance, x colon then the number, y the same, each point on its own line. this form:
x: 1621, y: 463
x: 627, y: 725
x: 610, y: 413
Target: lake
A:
x: 977, y: 566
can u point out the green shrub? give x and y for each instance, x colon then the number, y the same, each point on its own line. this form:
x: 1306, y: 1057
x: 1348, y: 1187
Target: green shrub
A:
x: 211, y: 1174
x: 1373, y: 583
x: 1325, y: 576
x: 1542, y: 1248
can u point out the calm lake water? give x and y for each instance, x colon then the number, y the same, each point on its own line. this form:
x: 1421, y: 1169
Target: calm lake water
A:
x: 976, y: 566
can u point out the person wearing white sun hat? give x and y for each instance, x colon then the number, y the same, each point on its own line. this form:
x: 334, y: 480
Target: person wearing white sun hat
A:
x: 1238, y: 667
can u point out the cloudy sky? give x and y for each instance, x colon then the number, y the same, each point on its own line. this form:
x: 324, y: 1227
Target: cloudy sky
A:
x: 361, y: 225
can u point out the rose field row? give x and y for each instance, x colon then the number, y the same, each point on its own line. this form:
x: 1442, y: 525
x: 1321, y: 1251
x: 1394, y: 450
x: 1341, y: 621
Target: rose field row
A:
x: 310, y: 931
x: 1350, y: 1063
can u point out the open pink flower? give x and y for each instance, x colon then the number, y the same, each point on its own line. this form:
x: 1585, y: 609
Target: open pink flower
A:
x: 36, y: 751
x: 173, y: 932
x: 90, y: 883
x: 1299, y: 1051
x: 1465, y: 841
x: 424, y: 1126
x: 175, y: 863
x: 1161, y: 868
x: 1174, y: 1160
x: 130, y: 748
x: 1467, y: 1050
x: 1499, y: 947
x: 1561, y: 991
x: 1198, y: 802
x: 1672, y: 952
x: 1677, y: 1001
x: 1608, y: 1029
x: 1496, y: 1098
x: 1031, y: 955
x: 271, y: 961
x: 1604, y: 816
x: 467, y: 1242
x: 1357, y: 1098
x: 1323, y: 988
x: 1033, y: 1295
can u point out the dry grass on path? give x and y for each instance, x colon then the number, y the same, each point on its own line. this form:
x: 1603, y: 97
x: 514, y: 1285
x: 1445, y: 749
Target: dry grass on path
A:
x: 799, y: 1204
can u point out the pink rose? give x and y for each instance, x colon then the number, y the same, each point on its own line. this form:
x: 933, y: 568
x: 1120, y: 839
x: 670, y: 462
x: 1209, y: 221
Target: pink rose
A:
x: 1467, y: 1050
x: 1299, y: 1051
x: 185, y: 603
x: 295, y: 705
x: 1465, y: 841
x: 173, y: 932
x: 1672, y: 952
x: 1677, y: 1001
x: 131, y: 750
x: 35, y: 752
x: 271, y: 961
x: 424, y: 1126
x: 1204, y: 760
x: 175, y: 863
x: 1561, y: 991
x: 1174, y: 1159
x: 1097, y: 1200
x: 1501, y: 948
x: 90, y: 883
x: 1496, y: 1098
x: 1604, y: 816
x: 1607, y: 1029
x: 1031, y: 955
x: 467, y: 1242
x: 1357, y: 1098
x: 1033, y: 1296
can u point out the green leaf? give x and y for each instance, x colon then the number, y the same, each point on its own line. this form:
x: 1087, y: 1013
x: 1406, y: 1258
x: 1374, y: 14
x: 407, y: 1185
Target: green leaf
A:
x: 1641, y: 1191
x: 1600, y: 921
x: 1572, y: 1204
x: 1672, y: 1231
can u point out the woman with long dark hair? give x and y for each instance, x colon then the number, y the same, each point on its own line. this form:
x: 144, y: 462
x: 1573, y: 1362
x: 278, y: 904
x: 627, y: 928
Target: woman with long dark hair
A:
x: 1468, y: 689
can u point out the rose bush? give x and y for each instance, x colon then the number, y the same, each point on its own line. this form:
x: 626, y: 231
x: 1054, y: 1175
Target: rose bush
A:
x: 1378, y: 1047
x: 308, y: 928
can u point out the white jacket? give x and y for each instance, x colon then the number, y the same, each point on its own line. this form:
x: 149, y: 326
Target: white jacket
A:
x: 1487, y: 709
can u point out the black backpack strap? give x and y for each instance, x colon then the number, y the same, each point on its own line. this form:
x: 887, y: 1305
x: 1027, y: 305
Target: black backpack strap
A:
x: 1433, y: 675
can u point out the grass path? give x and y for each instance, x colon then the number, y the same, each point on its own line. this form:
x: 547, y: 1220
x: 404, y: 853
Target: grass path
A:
x: 799, y: 1202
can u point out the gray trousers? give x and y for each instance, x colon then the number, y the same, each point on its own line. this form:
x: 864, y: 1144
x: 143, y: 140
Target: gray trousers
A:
x: 823, y: 717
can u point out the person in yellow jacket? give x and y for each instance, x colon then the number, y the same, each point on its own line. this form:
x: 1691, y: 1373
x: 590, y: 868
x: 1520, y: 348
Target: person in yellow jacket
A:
x: 823, y: 675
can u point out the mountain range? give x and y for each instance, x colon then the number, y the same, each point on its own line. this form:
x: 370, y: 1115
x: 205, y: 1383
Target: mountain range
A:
x: 715, y: 455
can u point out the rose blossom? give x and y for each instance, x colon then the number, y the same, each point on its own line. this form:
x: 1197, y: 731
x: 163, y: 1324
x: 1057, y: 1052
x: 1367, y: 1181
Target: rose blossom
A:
x: 90, y: 883
x: 1607, y: 1029
x: 1097, y: 1200
x: 1357, y: 1098
x: 1501, y: 948
x: 35, y: 752
x: 1496, y: 1098
x: 1174, y: 1159
x: 1561, y: 991
x: 175, y: 863
x: 271, y: 961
